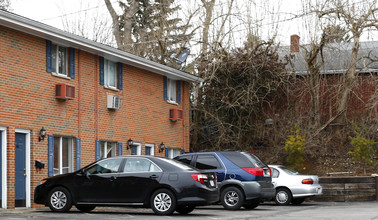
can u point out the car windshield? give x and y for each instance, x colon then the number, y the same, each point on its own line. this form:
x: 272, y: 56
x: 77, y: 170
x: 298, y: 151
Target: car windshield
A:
x: 289, y: 171
x: 178, y: 164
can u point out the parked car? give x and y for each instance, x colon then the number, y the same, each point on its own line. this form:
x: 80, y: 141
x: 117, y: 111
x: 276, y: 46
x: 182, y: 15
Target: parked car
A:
x: 292, y: 187
x: 243, y: 179
x: 163, y: 184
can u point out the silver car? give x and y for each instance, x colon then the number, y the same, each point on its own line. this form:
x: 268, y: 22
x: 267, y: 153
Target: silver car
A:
x: 292, y: 187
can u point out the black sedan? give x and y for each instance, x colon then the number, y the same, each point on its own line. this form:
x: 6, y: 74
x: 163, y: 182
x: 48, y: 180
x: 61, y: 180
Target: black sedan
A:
x: 163, y: 184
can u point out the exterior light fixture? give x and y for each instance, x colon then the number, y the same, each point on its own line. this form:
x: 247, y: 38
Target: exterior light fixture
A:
x: 42, y: 134
x: 130, y: 142
x: 161, y: 147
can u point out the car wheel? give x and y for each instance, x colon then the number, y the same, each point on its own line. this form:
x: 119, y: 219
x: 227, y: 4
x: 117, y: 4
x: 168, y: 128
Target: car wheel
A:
x: 163, y: 202
x: 283, y: 196
x: 298, y: 201
x: 252, y: 204
x: 59, y: 199
x: 85, y: 208
x: 232, y: 198
x: 185, y: 209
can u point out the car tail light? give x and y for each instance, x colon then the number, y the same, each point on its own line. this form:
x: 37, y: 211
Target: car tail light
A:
x: 199, y: 178
x: 257, y: 171
x: 307, y: 181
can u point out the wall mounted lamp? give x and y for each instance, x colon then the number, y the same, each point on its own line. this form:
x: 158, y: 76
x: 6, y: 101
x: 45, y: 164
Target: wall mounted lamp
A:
x: 130, y: 142
x: 161, y: 147
x: 42, y: 134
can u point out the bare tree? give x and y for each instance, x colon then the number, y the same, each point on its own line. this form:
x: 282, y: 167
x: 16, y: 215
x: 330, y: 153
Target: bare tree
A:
x: 4, y: 4
x: 90, y: 23
x: 356, y: 17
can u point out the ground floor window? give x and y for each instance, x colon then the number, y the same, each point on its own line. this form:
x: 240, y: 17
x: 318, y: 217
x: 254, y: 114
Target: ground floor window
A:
x: 108, y: 149
x: 172, y: 152
x: 63, y: 155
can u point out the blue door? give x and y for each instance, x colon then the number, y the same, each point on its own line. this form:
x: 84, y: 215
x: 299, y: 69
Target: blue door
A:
x: 133, y: 150
x: 148, y: 150
x: 20, y: 179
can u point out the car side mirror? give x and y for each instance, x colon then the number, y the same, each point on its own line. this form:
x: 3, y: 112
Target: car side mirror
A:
x: 83, y: 172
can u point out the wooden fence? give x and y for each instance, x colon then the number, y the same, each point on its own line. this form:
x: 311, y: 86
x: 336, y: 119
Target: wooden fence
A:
x: 347, y: 189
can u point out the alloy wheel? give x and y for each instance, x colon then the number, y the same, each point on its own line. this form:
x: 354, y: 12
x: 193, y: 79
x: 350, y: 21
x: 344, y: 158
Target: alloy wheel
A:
x: 231, y: 198
x: 162, y: 202
x: 58, y: 200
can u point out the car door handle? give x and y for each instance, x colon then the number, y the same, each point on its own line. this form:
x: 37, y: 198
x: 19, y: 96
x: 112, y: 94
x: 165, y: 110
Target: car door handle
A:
x: 113, y: 178
x: 153, y: 176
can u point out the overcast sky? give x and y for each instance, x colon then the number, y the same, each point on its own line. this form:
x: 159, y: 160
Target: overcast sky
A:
x: 51, y: 11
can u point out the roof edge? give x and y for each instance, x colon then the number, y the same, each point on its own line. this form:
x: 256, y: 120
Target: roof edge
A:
x: 48, y: 32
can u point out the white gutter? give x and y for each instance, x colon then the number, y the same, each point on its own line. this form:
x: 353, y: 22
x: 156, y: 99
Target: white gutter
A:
x: 38, y: 29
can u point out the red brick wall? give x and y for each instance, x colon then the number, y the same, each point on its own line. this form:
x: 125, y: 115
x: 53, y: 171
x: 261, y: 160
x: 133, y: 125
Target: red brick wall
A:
x: 359, y: 103
x: 27, y: 101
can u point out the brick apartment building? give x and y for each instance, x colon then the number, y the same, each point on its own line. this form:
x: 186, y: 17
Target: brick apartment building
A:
x: 90, y: 99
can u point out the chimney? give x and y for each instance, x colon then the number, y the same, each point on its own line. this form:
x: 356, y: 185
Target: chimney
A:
x: 294, y: 43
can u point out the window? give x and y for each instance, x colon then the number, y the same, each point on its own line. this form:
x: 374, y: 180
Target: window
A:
x: 110, y: 71
x: 63, y: 159
x: 108, y: 149
x: 206, y: 162
x: 149, y: 150
x: 275, y: 173
x: 140, y: 165
x: 172, y: 90
x: 59, y: 60
x: 111, y: 74
x: 185, y: 159
x: 172, y: 152
x: 105, y: 166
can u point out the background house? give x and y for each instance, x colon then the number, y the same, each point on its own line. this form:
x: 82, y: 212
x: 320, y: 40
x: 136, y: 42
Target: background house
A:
x: 333, y: 63
x: 90, y: 99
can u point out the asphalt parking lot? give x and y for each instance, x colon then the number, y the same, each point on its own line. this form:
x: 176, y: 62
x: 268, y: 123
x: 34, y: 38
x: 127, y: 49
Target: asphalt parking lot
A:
x: 308, y: 210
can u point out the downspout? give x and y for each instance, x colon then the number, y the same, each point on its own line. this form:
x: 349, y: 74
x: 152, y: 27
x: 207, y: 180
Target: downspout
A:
x: 96, y: 96
x: 79, y: 96
x: 183, y: 117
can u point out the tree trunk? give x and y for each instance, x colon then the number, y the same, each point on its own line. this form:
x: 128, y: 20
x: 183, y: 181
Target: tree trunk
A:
x: 349, y: 79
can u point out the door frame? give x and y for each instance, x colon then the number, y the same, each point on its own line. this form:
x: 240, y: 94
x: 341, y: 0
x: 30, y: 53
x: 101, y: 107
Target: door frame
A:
x: 138, y: 146
x: 3, y: 167
x: 152, y: 146
x: 27, y: 164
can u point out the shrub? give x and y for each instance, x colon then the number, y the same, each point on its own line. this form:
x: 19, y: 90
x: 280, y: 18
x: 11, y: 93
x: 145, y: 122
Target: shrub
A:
x: 364, y: 149
x: 294, y: 147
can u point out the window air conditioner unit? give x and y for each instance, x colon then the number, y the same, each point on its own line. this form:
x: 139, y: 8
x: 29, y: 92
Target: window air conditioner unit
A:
x: 175, y: 114
x: 63, y: 91
x: 114, y: 102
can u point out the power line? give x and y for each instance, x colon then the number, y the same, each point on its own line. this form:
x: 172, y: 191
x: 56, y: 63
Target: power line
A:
x: 76, y: 12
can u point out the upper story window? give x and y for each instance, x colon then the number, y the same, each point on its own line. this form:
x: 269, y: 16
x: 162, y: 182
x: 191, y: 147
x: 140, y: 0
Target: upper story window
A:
x: 60, y: 60
x: 111, y: 74
x: 172, y: 90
